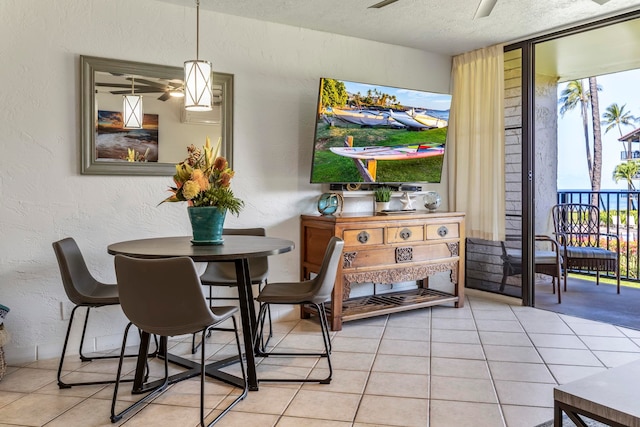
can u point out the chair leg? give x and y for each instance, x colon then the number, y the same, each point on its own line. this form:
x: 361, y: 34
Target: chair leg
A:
x: 325, y: 318
x: 194, y: 346
x: 84, y: 330
x: 264, y: 343
x: 504, y: 277
x: 557, y: 278
x: 324, y: 324
x: 324, y: 327
x: 62, y: 384
x: 202, y: 378
x: 152, y: 394
x: 89, y: 359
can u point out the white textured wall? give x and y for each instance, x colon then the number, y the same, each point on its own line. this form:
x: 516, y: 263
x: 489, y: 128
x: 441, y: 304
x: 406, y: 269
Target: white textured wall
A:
x: 44, y: 197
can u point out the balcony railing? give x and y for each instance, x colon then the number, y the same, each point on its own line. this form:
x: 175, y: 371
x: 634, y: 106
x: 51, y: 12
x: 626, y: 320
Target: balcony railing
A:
x: 619, y: 216
x: 635, y: 155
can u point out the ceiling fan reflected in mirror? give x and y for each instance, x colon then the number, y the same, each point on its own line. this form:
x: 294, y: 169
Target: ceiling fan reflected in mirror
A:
x: 168, y: 88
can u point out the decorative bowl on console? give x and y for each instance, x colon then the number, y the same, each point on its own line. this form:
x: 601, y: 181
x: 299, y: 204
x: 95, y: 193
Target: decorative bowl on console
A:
x: 432, y: 200
x: 329, y: 203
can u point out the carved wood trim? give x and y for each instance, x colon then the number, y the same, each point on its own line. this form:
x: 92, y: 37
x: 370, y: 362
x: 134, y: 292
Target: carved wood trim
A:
x: 396, y: 275
x: 453, y: 248
x: 454, y: 275
x: 348, y: 258
x: 346, y: 290
x: 404, y: 254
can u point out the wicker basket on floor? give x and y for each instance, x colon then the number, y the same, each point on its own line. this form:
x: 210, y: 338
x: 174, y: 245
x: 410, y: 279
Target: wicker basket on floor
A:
x: 4, y: 338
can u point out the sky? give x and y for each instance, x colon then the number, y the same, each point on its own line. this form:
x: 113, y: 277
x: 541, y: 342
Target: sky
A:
x: 621, y: 88
x: 407, y: 97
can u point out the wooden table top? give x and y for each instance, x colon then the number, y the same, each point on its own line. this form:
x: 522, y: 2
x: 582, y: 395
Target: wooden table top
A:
x: 234, y: 247
x: 610, y: 394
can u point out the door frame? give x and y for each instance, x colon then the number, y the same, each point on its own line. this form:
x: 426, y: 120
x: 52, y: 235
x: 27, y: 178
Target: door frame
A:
x: 528, y: 140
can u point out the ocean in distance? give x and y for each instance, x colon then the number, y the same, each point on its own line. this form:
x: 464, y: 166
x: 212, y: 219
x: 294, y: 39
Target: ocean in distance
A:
x: 615, y: 200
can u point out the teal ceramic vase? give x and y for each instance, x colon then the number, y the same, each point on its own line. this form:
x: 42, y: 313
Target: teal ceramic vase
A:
x: 207, y: 223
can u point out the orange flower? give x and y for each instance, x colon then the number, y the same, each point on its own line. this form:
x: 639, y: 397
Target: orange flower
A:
x: 225, y: 179
x: 203, y: 181
x: 220, y: 163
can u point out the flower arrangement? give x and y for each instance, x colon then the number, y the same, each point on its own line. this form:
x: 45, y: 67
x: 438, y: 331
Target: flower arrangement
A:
x: 204, y: 179
x: 134, y: 156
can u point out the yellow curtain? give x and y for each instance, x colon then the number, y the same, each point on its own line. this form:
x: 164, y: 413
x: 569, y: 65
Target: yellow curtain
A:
x: 475, y: 142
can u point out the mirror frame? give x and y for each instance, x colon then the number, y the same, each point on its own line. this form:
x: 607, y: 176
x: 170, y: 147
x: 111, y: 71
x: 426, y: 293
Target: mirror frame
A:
x: 89, y: 65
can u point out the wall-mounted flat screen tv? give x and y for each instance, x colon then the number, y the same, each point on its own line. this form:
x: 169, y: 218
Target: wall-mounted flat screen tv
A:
x: 378, y: 134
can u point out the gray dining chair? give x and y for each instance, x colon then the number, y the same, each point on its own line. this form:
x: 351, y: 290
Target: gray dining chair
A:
x: 164, y: 297
x: 312, y: 292
x: 83, y: 290
x: 223, y: 274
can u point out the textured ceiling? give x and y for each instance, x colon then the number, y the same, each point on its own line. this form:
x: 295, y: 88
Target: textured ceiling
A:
x: 441, y: 26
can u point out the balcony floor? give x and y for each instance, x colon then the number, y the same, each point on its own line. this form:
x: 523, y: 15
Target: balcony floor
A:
x: 586, y: 300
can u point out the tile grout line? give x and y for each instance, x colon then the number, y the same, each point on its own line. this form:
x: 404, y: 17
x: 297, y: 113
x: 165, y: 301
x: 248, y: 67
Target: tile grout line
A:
x: 375, y: 356
x: 486, y: 361
x: 544, y: 362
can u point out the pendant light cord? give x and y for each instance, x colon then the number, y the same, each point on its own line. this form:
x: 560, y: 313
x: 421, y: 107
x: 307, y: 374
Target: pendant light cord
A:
x: 197, y: 29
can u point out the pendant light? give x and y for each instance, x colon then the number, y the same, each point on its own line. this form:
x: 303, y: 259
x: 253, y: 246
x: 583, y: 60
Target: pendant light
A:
x: 197, y: 77
x: 132, y: 109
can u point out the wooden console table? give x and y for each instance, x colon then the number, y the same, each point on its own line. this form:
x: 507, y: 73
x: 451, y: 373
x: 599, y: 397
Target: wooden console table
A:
x: 386, y: 249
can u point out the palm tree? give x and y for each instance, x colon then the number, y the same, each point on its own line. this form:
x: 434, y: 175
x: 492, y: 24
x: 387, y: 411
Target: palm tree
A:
x: 627, y: 171
x: 616, y: 116
x: 572, y: 95
x: 576, y: 93
x: 597, y: 140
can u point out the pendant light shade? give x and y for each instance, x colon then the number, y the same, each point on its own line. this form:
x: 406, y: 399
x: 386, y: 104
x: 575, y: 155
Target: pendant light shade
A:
x: 197, y: 85
x: 132, y: 110
x: 197, y: 77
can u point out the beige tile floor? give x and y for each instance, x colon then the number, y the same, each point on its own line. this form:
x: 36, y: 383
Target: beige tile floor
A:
x: 487, y: 364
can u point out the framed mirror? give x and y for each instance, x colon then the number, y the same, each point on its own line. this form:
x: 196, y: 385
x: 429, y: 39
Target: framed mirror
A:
x: 109, y: 147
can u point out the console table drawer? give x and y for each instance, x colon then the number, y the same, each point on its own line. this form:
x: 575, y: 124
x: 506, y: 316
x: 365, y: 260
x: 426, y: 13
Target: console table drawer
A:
x: 414, y: 233
x: 392, y: 256
x: 368, y: 236
x: 442, y: 231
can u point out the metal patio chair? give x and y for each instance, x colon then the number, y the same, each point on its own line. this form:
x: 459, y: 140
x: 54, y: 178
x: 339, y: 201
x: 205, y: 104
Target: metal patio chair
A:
x: 577, y: 229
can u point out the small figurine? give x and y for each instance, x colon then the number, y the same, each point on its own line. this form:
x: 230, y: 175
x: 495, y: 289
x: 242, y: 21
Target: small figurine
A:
x: 407, y: 202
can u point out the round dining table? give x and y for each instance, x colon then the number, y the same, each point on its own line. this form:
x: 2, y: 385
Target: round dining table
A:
x: 237, y: 249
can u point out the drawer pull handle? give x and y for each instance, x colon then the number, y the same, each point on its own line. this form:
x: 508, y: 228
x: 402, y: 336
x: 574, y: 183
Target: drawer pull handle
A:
x: 443, y: 231
x: 405, y: 234
x: 363, y: 237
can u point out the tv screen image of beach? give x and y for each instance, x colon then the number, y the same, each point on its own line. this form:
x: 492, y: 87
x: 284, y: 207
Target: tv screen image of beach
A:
x: 379, y: 134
